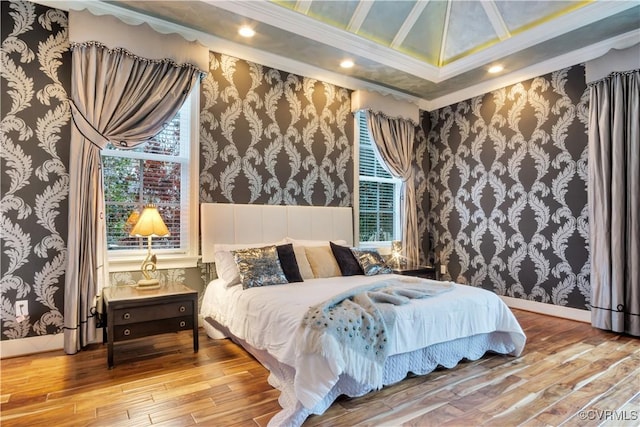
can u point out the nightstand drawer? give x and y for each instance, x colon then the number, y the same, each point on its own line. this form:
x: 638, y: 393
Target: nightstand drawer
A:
x: 137, y: 313
x: 125, y: 316
x: 139, y: 330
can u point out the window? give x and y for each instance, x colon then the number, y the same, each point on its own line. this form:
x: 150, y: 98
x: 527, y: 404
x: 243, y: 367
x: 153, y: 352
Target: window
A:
x: 379, y: 192
x: 160, y: 171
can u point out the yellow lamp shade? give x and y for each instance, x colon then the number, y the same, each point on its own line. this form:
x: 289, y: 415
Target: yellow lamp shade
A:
x: 150, y: 224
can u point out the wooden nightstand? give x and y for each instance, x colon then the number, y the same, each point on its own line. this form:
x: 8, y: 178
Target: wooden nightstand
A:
x: 133, y: 313
x: 424, y: 271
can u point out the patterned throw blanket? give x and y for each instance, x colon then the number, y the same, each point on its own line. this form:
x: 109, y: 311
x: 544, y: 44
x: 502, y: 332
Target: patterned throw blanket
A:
x: 352, y: 328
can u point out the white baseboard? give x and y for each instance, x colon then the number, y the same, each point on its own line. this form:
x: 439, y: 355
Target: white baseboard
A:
x: 549, y: 309
x: 31, y: 345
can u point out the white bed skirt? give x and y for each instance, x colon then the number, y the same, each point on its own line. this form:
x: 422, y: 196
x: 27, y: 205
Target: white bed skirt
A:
x: 397, y: 367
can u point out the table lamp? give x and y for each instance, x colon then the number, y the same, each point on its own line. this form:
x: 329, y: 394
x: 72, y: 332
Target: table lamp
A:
x: 396, y: 253
x: 150, y: 224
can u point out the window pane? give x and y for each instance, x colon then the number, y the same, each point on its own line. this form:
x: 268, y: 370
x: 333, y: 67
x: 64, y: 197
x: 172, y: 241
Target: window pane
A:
x: 165, y: 141
x: 117, y: 229
x: 153, y: 176
x: 122, y: 179
x: 161, y: 182
x: 378, y: 210
x: 171, y: 217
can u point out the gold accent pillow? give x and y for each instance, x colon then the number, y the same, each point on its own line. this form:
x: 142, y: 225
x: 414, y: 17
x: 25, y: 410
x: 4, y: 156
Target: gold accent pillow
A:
x: 303, y: 262
x: 259, y: 267
x: 322, y: 261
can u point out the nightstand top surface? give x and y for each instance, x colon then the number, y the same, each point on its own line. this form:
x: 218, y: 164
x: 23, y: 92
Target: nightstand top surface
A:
x: 411, y: 267
x: 131, y: 292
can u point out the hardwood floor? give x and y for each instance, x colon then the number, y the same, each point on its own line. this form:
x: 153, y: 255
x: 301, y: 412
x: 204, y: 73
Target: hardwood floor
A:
x: 569, y: 374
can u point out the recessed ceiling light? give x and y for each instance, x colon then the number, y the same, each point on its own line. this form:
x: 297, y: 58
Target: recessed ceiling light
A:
x: 347, y: 63
x: 246, y: 31
x: 496, y: 69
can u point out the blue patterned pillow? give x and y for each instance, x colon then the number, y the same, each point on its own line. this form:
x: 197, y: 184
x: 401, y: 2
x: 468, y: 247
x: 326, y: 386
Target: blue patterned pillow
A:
x: 259, y: 267
x: 371, y: 262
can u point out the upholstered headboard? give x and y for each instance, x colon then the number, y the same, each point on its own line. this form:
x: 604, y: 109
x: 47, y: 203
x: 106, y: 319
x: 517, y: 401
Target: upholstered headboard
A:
x: 235, y: 223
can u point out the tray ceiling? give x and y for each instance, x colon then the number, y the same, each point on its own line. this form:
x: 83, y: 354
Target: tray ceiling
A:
x: 422, y: 49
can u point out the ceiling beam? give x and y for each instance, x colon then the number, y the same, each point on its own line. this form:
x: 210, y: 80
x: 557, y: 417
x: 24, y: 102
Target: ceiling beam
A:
x: 445, y: 31
x: 303, y: 6
x: 359, y: 15
x: 495, y: 17
x: 408, y: 23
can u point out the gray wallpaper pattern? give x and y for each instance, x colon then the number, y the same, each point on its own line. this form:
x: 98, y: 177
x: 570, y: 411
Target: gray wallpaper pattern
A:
x: 508, y: 192
x: 421, y: 165
x: 270, y: 137
x: 500, y: 179
x: 35, y: 78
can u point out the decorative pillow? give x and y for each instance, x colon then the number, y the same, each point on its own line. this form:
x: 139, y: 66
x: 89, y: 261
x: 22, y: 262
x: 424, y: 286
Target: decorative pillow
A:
x: 288, y: 263
x: 259, y: 267
x: 303, y: 262
x: 347, y: 262
x: 226, y: 267
x: 371, y: 262
x: 322, y: 261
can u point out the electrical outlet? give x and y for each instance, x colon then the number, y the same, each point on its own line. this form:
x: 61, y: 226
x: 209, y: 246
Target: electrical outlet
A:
x: 22, y: 308
x: 443, y: 269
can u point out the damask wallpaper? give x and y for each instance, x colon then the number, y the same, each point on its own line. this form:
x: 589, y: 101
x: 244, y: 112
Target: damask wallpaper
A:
x: 35, y: 78
x: 270, y: 137
x: 508, y: 189
x: 500, y: 179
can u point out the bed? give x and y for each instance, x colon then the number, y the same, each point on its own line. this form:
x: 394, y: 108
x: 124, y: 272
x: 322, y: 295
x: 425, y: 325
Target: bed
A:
x: 453, y: 322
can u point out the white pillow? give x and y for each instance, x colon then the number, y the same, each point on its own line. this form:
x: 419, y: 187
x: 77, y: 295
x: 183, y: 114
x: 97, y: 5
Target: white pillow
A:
x: 226, y: 266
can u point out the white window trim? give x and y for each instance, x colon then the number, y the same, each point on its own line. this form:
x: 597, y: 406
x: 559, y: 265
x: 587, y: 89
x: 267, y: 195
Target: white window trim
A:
x: 382, y: 244
x: 131, y: 260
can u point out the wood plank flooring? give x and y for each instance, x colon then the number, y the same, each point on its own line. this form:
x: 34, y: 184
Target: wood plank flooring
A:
x: 569, y: 374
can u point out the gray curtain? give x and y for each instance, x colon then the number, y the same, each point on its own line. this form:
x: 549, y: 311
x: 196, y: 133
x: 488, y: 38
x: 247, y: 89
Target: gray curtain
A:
x: 394, y: 139
x: 614, y: 202
x: 120, y: 98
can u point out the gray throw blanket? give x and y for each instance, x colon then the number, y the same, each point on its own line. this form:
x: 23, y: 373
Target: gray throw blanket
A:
x: 351, y: 329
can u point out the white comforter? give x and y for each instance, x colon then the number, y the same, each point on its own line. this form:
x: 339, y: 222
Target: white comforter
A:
x: 269, y: 317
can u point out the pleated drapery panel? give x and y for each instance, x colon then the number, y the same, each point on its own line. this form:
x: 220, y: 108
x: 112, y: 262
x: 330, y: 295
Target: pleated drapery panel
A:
x: 614, y: 202
x: 394, y: 138
x: 120, y: 98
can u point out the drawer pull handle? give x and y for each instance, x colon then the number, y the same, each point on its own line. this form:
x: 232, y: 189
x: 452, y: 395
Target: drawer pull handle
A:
x: 127, y: 332
x: 126, y: 316
x: 182, y: 309
x: 183, y: 324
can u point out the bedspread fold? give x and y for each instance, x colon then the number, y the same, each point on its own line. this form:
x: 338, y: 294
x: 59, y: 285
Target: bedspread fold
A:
x: 350, y: 331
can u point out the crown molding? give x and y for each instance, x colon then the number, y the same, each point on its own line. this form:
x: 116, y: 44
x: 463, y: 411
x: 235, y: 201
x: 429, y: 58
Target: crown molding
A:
x: 219, y: 45
x: 280, y: 17
x: 236, y: 50
x: 579, y: 56
x: 581, y: 17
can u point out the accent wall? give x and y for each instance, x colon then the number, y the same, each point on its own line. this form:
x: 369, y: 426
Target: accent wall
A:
x: 508, y: 190
x: 271, y: 137
x: 34, y: 133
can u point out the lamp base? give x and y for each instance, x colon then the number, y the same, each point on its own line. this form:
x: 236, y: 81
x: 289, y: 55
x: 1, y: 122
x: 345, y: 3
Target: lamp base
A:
x: 148, y: 284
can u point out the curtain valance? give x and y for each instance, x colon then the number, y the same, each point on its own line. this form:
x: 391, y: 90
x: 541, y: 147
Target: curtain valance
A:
x: 140, y: 40
x: 386, y: 105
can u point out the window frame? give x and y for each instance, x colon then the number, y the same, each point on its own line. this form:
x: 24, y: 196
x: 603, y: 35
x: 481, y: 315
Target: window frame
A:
x: 397, y: 227
x: 187, y: 256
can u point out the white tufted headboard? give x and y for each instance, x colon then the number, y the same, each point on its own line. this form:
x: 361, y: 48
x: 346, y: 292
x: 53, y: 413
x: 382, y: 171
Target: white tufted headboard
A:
x: 236, y: 223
